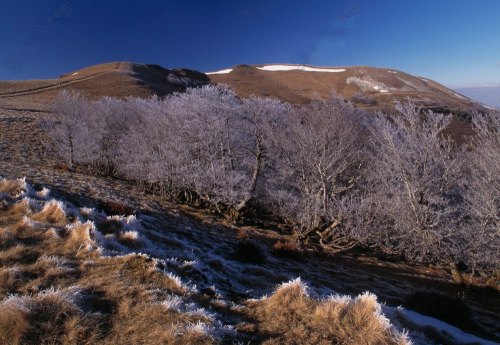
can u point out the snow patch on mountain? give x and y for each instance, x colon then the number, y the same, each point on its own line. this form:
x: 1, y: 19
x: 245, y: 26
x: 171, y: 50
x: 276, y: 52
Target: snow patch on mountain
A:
x: 300, y: 68
x: 368, y: 84
x: 224, y: 71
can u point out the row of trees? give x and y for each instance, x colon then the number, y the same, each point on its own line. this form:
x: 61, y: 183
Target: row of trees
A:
x: 339, y: 177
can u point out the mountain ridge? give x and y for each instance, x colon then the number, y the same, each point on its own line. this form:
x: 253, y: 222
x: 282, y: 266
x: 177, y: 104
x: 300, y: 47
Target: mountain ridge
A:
x: 367, y: 87
x: 371, y: 88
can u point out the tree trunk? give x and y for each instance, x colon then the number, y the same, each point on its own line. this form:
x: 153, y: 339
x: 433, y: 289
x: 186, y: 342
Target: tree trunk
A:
x: 71, y: 153
x: 255, y: 177
x: 257, y: 168
x: 325, y: 197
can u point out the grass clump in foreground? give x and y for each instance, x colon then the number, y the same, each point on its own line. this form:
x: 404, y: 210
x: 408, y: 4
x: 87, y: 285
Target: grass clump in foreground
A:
x: 57, y: 288
x: 291, y: 316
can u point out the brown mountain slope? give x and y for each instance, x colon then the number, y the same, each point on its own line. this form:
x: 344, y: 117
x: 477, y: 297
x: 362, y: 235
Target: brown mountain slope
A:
x: 368, y: 87
x: 117, y: 79
x: 375, y: 89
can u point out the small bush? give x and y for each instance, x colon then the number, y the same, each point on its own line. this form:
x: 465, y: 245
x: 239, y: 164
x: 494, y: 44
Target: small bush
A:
x: 12, y: 187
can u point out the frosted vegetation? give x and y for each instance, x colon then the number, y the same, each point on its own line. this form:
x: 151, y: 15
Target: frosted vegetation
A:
x: 336, y: 176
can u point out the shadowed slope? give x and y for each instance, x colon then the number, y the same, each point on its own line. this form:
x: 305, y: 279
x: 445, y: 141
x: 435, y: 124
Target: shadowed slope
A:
x: 117, y: 79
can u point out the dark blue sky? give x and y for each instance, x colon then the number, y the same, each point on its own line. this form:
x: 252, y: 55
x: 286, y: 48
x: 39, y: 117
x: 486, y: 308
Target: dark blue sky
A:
x: 454, y: 42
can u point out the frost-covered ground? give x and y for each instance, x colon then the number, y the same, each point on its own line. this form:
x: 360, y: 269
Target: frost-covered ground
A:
x: 199, y: 255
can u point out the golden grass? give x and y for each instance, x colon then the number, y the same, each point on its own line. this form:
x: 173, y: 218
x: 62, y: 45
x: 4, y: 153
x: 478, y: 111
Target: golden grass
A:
x: 14, y: 213
x: 18, y: 254
x: 47, y: 318
x: 80, y: 237
x: 290, y: 316
x: 119, y: 301
x: 12, y: 187
x: 13, y: 323
x: 52, y: 213
x: 153, y: 324
x: 9, y: 278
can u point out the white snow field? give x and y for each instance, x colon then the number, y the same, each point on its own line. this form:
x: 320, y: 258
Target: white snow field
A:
x: 224, y: 71
x: 299, y: 68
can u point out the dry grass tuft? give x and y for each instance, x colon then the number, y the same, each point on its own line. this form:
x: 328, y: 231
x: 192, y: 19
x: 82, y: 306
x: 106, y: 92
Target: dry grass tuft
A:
x: 137, y: 270
x: 13, y: 188
x: 14, y: 213
x: 18, y: 254
x: 287, y: 249
x: 80, y: 237
x: 131, y: 239
x: 290, y: 316
x: 52, y: 213
x: 50, y: 317
x: 9, y: 279
x: 13, y: 323
x: 145, y: 323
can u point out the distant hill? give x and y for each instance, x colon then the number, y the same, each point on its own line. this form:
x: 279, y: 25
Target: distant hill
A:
x: 374, y: 89
x: 367, y: 87
x: 117, y: 79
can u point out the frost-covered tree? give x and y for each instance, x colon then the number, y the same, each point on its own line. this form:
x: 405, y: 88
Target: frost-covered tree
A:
x: 262, y: 122
x: 336, y: 175
x: 482, y: 195
x: 319, y: 162
x: 414, y: 185
x: 147, y: 151
x: 111, y: 121
x: 207, y: 132
x: 70, y: 130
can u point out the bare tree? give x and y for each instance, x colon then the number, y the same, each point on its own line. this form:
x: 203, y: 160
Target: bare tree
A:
x: 414, y: 185
x: 147, y: 150
x: 260, y: 119
x: 410, y: 190
x: 69, y: 129
x: 319, y: 164
x: 482, y: 195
